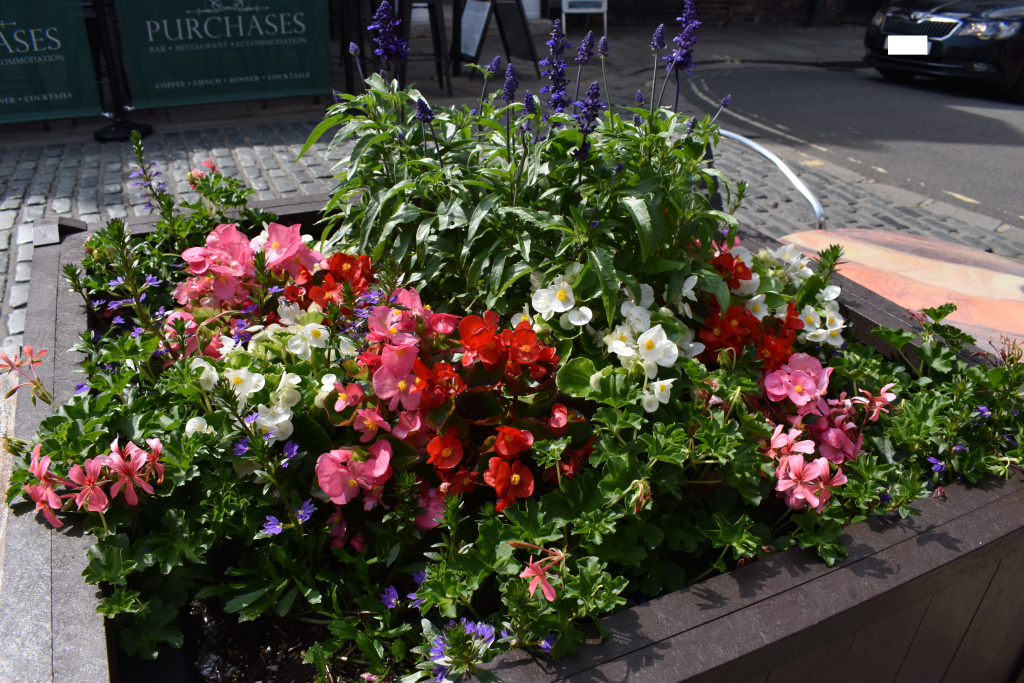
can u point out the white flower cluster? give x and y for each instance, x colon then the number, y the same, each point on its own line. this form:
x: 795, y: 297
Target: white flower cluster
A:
x: 558, y: 298
x: 795, y: 266
x: 823, y: 324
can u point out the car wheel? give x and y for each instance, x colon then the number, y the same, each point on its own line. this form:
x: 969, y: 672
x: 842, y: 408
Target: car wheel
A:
x: 895, y: 75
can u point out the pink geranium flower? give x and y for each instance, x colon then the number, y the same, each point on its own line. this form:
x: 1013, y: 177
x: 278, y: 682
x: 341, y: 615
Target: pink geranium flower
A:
x: 88, y: 480
x: 802, y: 477
x: 785, y: 444
x: 412, y: 428
x: 876, y: 404
x: 127, y: 467
x: 539, y: 574
x: 825, y: 487
x: 45, y: 499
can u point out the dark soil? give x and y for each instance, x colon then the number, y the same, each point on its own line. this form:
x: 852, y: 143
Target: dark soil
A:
x: 218, y: 649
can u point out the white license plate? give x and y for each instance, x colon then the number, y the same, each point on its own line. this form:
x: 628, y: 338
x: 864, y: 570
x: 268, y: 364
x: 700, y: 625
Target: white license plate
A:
x: 907, y: 45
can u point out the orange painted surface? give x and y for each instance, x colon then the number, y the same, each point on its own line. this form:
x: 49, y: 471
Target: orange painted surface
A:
x: 913, y: 273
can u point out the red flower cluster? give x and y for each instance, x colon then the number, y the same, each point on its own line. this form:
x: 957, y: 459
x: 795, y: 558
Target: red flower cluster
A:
x: 509, y: 476
x: 327, y: 285
x: 482, y: 341
x: 731, y: 269
x: 739, y: 328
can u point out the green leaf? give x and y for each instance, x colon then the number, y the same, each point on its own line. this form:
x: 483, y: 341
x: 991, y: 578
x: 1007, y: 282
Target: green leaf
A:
x: 240, y: 602
x: 896, y: 338
x: 574, y: 377
x: 601, y: 261
x: 637, y: 208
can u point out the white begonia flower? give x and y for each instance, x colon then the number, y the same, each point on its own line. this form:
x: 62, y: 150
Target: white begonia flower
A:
x: 288, y: 312
x: 257, y: 242
x: 657, y: 393
x: 316, y: 334
x: 209, y: 377
x: 743, y: 254
x: 832, y: 317
x: 766, y: 257
x: 346, y: 347
x: 654, y: 346
x: 690, y: 348
x: 747, y: 287
x: 227, y: 344
x: 827, y: 335
x: 519, y: 318
x: 287, y: 393
x: 830, y: 293
x: 687, y: 293
x: 315, y: 308
x: 756, y: 306
x: 299, y: 345
x: 810, y: 318
x: 244, y: 383
x: 327, y: 383
x: 572, y: 272
x: 646, y: 296
x: 637, y: 317
x: 197, y: 424
x: 276, y: 421
x: 595, y: 380
x: 577, y: 317
x: 782, y: 312
x: 620, y: 342
x: 649, y: 402
x: 557, y: 298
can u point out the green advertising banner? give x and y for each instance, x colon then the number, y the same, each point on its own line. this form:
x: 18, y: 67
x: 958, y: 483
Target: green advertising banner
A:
x: 197, y: 51
x: 45, y: 64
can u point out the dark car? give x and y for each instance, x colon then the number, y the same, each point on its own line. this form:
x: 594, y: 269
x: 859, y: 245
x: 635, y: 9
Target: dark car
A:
x: 980, y: 40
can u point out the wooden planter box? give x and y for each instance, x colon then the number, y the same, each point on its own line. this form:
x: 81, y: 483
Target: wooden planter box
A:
x: 934, y: 597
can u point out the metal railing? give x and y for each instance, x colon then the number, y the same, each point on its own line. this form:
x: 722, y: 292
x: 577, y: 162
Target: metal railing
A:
x: 819, y: 213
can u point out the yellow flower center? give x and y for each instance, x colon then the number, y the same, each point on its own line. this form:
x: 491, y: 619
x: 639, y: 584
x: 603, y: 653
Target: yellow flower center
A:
x: 353, y: 483
x: 370, y: 425
x: 834, y: 333
x: 622, y: 337
x: 347, y: 267
x: 524, y: 348
x: 446, y: 453
x: 798, y: 388
x: 515, y: 479
x: 315, y: 333
x: 400, y: 351
x: 402, y: 384
x: 561, y: 296
x: 756, y: 308
x: 809, y: 319
x: 509, y: 438
x: 662, y: 388
x: 734, y: 323
x: 236, y: 380
x: 831, y: 320
x: 275, y: 245
x: 393, y: 329
x: 649, y: 345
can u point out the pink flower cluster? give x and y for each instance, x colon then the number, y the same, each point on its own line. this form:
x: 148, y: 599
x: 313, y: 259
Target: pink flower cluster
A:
x: 222, y: 271
x: 126, y: 468
x: 802, y: 379
x: 830, y: 424
x: 395, y: 409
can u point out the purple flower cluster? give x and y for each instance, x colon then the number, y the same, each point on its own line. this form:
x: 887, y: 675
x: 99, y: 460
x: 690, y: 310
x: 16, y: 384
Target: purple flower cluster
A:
x: 658, y: 39
x: 586, y: 49
x: 390, y: 48
x: 463, y: 644
x: 590, y: 109
x: 390, y: 597
x: 602, y: 47
x: 419, y: 578
x: 681, y: 58
x: 273, y: 526
x: 554, y: 68
x: 423, y: 112
x: 304, y: 512
x: 291, y: 449
x: 508, y: 92
x: 492, y: 69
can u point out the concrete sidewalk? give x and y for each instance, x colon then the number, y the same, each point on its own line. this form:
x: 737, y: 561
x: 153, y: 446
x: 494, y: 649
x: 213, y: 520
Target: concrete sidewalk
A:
x: 61, y: 171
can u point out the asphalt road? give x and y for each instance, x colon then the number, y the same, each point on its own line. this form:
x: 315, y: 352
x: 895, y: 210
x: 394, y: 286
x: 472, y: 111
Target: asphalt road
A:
x: 954, y: 143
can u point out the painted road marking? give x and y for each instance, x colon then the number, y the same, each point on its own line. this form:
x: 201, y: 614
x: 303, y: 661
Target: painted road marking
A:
x: 813, y: 162
x: 879, y: 169
x: 962, y: 198
x: 731, y: 112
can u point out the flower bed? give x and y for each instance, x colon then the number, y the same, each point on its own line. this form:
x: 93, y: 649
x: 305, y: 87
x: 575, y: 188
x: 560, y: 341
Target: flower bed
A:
x: 525, y: 375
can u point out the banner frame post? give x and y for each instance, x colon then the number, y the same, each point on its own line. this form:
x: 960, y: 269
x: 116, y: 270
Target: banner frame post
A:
x: 121, y: 129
